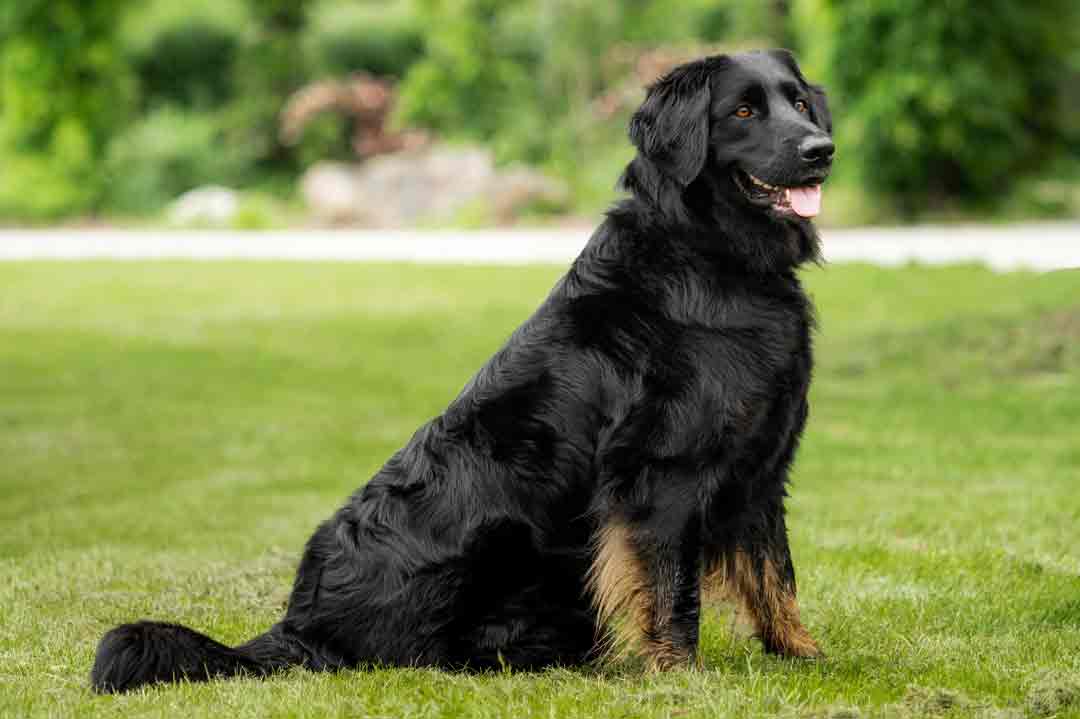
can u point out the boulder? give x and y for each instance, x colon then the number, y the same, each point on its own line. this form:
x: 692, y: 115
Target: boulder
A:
x: 328, y: 189
x: 210, y: 205
x: 520, y: 187
x: 423, y: 186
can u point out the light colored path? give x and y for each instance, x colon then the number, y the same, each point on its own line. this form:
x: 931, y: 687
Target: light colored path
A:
x: 1047, y: 246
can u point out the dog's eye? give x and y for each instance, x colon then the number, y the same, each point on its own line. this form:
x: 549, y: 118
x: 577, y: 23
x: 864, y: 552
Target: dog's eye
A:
x: 801, y: 106
x: 744, y: 111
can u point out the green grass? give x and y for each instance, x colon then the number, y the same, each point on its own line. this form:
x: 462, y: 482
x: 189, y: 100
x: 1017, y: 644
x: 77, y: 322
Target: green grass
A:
x: 170, y: 433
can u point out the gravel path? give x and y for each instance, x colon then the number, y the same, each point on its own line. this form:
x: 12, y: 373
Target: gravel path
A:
x: 1048, y: 246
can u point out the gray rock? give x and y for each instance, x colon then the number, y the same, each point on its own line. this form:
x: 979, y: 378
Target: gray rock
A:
x: 424, y: 186
x: 209, y: 205
x: 329, y: 190
x: 520, y: 187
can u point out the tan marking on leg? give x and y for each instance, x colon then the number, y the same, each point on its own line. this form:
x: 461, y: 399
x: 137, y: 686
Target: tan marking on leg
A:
x: 764, y: 598
x: 625, y: 601
x: 662, y: 655
x: 788, y: 635
x: 620, y: 591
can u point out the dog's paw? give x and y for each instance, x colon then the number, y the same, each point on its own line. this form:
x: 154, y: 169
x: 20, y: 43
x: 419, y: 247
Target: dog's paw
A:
x: 797, y: 644
x: 664, y: 657
x: 807, y: 650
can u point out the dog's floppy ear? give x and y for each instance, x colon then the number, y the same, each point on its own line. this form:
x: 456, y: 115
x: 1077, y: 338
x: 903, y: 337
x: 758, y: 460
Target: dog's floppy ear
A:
x: 671, y: 128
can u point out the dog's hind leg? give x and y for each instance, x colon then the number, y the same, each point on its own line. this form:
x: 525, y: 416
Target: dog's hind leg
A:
x: 531, y: 637
x: 520, y: 604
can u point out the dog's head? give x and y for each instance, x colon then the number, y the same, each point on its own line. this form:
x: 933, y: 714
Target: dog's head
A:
x: 750, y: 123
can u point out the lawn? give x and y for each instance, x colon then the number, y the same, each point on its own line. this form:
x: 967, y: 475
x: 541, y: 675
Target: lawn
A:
x: 170, y: 433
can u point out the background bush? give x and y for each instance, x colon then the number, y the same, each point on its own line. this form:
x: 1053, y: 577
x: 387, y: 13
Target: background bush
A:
x: 377, y: 37
x: 166, y: 153
x: 183, y: 52
x: 944, y: 103
x: 65, y: 90
x: 268, y: 69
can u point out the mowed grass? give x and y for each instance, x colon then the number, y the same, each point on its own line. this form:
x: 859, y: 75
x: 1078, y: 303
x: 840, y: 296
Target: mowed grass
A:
x: 170, y: 433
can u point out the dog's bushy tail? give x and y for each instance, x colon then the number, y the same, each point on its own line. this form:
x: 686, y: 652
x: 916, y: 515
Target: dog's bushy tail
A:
x: 132, y: 655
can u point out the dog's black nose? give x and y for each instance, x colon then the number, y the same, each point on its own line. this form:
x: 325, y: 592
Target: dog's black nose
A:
x: 817, y: 149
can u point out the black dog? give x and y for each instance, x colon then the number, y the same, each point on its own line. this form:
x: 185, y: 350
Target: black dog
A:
x: 628, y: 444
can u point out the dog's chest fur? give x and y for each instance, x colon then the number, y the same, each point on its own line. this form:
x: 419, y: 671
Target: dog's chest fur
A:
x: 738, y: 350
x: 712, y: 365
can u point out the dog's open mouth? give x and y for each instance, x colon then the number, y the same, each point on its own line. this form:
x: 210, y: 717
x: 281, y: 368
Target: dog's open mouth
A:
x: 804, y: 201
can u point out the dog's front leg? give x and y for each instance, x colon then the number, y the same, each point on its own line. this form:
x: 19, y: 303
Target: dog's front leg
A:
x: 758, y: 574
x: 646, y: 584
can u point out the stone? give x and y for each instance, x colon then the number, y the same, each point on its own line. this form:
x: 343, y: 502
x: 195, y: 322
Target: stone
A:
x: 209, y: 205
x: 429, y: 185
x: 329, y: 192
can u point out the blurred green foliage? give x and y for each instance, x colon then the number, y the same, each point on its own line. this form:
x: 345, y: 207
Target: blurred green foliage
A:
x: 168, y: 151
x: 64, y: 91
x: 518, y: 73
x: 382, y: 39
x: 523, y: 75
x: 944, y: 102
x: 183, y: 52
x: 114, y: 107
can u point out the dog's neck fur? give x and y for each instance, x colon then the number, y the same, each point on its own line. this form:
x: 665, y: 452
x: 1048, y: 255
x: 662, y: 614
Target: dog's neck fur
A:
x: 706, y: 217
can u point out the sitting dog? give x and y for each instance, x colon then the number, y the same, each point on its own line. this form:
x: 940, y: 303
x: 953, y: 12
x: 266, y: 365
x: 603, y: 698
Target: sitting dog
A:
x: 628, y: 445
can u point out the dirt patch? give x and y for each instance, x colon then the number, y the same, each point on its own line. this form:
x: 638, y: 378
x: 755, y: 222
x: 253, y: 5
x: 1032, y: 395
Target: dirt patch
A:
x: 932, y: 702
x: 928, y: 702
x: 1044, y: 344
x: 922, y: 703
x: 834, y: 713
x: 1064, y: 323
x: 1053, y: 694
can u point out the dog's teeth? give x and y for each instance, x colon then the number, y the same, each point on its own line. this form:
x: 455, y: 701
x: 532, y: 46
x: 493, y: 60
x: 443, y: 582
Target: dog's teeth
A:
x: 762, y: 183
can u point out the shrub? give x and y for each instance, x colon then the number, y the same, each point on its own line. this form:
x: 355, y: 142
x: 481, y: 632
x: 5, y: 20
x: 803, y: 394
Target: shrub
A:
x: 64, y: 90
x: 466, y: 85
x: 942, y: 103
x: 57, y: 190
x: 267, y: 70
x: 379, y: 38
x: 183, y: 52
x: 168, y: 152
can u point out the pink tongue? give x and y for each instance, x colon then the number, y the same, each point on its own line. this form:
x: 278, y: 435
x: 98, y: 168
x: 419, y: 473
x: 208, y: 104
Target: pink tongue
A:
x: 806, y: 201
